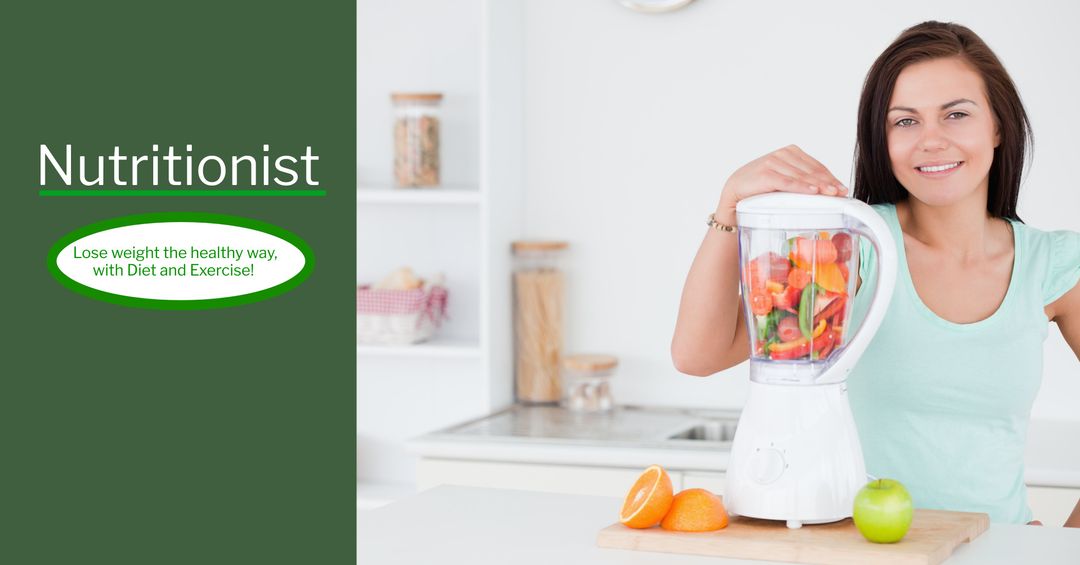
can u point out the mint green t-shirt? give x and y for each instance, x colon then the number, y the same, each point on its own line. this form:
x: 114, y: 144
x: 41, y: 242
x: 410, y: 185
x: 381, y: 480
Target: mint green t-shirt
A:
x: 944, y: 407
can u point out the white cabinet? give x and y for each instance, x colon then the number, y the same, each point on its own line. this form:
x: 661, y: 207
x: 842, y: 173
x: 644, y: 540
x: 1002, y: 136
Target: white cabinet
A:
x: 472, y: 52
x: 1050, y: 505
x: 712, y: 482
x: 568, y: 479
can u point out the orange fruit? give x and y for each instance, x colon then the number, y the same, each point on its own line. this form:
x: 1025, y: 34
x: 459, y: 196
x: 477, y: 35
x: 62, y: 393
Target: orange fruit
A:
x: 695, y: 510
x: 648, y: 500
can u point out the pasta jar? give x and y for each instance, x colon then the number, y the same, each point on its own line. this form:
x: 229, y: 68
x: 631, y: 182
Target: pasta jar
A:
x: 416, y: 138
x: 587, y: 380
x: 538, y: 320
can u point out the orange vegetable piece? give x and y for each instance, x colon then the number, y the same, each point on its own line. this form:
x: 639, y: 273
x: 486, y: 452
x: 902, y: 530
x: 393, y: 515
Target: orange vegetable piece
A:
x: 695, y: 510
x: 830, y: 278
x: 648, y: 500
x: 760, y: 302
x: 798, y: 278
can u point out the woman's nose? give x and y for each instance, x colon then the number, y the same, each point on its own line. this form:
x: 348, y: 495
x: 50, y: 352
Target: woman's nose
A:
x: 933, y: 138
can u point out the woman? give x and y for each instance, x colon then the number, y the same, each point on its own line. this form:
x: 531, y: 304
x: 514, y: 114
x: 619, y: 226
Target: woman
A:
x: 942, y: 396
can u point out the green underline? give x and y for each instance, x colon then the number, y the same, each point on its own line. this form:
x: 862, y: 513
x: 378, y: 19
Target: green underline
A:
x: 180, y: 192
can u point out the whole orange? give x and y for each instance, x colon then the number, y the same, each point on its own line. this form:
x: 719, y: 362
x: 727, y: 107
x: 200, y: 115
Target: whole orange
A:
x: 695, y: 510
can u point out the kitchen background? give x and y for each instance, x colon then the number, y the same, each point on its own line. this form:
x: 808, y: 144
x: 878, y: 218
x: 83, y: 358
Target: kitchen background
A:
x: 583, y: 121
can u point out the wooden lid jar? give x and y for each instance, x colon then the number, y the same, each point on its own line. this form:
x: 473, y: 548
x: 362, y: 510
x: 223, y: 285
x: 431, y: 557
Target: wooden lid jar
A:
x: 416, y: 139
x: 587, y: 382
x: 539, y: 298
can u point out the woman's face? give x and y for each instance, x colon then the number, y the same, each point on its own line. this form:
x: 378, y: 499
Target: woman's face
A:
x: 941, y: 131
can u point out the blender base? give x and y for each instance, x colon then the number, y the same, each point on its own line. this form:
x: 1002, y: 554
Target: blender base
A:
x: 796, y: 455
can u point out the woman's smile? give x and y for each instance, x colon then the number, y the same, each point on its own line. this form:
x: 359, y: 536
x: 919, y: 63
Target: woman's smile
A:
x: 938, y: 170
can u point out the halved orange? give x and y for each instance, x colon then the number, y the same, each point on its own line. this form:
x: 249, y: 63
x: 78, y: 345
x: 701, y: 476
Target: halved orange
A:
x: 648, y: 500
x: 695, y: 510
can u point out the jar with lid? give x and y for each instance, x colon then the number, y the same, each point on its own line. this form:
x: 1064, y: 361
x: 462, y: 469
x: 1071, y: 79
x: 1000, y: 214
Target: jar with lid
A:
x: 587, y: 380
x: 416, y: 138
x: 539, y: 297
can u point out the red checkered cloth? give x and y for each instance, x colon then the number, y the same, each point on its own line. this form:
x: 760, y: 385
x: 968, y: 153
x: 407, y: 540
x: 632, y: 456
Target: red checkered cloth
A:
x: 389, y: 302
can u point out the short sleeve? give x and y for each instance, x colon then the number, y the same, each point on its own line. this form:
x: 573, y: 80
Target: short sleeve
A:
x: 1063, y: 266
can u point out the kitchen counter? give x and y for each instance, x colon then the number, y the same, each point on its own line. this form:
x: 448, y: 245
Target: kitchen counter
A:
x: 636, y: 437
x: 628, y: 436
x: 480, y: 526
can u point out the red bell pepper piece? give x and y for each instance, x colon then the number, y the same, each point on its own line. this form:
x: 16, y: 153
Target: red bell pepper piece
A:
x: 800, y: 350
x: 835, y: 306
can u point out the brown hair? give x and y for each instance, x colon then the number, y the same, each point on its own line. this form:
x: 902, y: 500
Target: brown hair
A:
x: 874, y: 179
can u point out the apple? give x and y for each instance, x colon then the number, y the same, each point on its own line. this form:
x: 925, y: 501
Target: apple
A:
x: 883, y: 511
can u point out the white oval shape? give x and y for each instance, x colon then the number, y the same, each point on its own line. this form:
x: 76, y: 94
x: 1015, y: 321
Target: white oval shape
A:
x: 194, y: 261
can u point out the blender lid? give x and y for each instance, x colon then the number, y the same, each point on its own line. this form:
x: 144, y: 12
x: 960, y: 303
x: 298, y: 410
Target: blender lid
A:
x: 784, y: 210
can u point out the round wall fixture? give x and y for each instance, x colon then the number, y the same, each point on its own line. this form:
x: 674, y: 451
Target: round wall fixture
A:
x: 654, y: 6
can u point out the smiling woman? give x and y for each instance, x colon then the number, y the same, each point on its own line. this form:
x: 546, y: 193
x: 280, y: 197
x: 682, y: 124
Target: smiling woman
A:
x: 942, y: 396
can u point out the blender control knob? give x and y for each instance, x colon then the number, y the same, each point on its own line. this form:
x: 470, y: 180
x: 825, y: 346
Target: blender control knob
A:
x: 766, y: 465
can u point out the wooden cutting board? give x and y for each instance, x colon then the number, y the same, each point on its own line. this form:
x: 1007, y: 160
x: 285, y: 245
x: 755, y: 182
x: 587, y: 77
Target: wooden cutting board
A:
x: 933, y: 536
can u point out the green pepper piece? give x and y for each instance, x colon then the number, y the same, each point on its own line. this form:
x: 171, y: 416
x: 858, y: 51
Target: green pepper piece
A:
x: 769, y: 327
x: 806, y: 310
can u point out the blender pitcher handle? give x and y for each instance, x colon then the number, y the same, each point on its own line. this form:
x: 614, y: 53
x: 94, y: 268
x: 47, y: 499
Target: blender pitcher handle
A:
x: 877, y: 231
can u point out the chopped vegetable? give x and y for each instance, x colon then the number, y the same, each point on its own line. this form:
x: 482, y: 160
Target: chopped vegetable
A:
x: 799, y: 301
x: 830, y: 278
x: 788, y: 329
x: 767, y: 324
x: 814, y: 251
x: 798, y: 278
x: 842, y: 241
x: 831, y: 309
x: 806, y: 309
x: 760, y: 302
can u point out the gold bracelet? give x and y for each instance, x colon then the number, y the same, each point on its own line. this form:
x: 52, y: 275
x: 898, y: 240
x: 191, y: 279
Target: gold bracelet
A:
x: 717, y: 225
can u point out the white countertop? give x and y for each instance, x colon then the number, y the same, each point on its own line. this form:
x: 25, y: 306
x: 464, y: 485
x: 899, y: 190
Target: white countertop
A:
x: 490, y: 526
x: 1052, y: 458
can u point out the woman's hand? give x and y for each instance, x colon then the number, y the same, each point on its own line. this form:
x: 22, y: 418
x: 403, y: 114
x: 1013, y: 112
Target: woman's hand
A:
x: 1034, y: 523
x: 784, y: 170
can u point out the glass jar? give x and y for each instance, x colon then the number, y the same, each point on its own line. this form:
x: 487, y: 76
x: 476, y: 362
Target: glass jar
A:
x: 416, y: 138
x: 587, y: 381
x: 539, y: 297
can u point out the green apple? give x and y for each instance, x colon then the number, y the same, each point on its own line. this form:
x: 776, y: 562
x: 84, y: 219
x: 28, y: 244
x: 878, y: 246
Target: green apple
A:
x: 883, y: 511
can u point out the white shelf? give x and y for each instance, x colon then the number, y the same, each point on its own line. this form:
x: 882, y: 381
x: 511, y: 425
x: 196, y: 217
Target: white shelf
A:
x: 436, y: 347
x: 440, y: 195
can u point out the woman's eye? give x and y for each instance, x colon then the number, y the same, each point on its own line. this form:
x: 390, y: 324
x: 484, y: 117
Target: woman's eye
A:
x: 904, y: 122
x: 957, y: 114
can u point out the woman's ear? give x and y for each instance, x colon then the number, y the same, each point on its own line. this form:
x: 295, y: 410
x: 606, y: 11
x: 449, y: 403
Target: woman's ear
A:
x: 997, y: 136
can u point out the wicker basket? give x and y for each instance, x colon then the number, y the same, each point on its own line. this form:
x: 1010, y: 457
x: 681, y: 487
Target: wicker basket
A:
x: 398, y: 317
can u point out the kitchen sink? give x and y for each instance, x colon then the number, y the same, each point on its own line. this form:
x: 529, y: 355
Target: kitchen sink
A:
x: 721, y: 430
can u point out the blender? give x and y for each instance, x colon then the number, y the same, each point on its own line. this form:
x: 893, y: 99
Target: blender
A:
x: 796, y: 455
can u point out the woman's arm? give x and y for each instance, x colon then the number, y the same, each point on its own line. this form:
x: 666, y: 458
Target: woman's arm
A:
x: 710, y: 335
x: 1065, y: 311
x: 1074, y: 518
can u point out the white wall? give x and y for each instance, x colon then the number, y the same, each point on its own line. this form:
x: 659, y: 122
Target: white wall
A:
x: 634, y: 121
